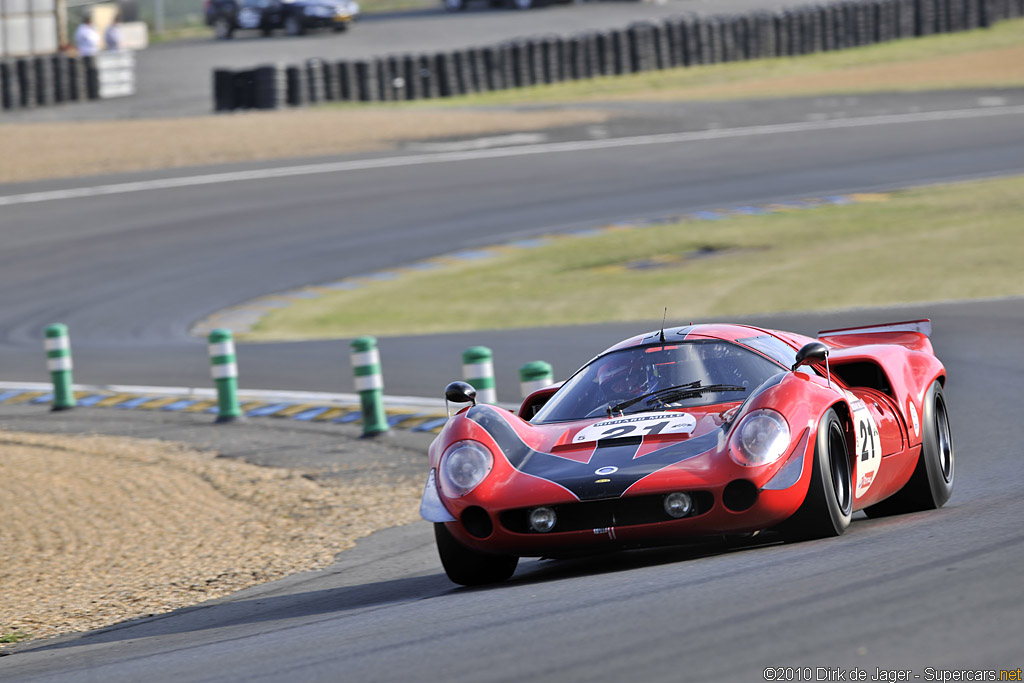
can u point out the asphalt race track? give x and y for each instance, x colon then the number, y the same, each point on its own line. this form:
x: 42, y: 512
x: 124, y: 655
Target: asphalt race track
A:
x: 130, y: 272
x: 938, y: 590
x: 129, y: 269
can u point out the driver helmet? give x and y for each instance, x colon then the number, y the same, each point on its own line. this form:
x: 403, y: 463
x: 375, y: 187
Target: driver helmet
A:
x: 623, y: 377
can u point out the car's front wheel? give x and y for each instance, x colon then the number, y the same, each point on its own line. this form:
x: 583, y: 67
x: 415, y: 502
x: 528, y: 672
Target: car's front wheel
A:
x: 931, y: 484
x: 222, y: 28
x: 469, y: 567
x: 828, y: 506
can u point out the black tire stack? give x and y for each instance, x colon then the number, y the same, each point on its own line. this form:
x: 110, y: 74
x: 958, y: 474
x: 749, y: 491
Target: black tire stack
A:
x: 683, y: 41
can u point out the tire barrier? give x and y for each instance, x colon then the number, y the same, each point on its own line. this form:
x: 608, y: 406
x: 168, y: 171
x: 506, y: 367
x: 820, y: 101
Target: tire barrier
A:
x: 50, y: 80
x: 58, y: 361
x: 478, y: 370
x: 684, y: 41
x: 369, y: 385
x: 224, y: 372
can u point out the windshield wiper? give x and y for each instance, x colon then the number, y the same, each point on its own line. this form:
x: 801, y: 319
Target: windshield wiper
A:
x: 618, y: 407
x: 669, y: 396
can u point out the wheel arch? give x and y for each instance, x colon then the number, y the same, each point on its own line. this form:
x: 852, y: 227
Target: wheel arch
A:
x: 845, y: 415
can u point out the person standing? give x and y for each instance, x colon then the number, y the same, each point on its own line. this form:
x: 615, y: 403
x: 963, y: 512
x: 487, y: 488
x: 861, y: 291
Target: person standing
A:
x: 112, y: 37
x: 87, y: 39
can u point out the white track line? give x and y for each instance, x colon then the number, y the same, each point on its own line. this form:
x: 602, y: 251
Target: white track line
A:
x: 546, y: 148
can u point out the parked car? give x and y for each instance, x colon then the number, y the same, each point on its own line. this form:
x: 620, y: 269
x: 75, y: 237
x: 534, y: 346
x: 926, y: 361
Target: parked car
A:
x: 458, y: 5
x: 295, y: 17
x: 697, y: 431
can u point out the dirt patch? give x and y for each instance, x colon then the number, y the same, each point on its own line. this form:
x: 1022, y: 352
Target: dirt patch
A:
x: 97, y: 529
x: 33, y: 151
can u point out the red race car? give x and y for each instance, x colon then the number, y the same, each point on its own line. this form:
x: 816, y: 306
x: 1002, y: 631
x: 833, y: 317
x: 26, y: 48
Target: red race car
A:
x: 696, y: 431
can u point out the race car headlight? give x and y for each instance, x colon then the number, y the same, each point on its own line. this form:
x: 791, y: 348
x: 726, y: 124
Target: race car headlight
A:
x: 761, y: 438
x: 463, y: 466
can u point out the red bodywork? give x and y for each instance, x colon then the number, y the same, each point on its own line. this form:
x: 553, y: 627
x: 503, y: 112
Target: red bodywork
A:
x: 888, y: 369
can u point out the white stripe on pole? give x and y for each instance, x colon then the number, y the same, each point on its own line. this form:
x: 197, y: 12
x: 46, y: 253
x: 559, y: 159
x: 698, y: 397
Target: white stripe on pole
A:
x: 364, y: 358
x: 57, y: 343
x: 224, y: 370
x: 478, y: 370
x: 62, y: 363
x: 225, y: 348
x: 369, y: 382
x: 527, y: 388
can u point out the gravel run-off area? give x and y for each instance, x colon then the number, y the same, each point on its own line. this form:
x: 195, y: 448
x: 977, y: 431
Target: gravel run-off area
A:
x: 98, y: 529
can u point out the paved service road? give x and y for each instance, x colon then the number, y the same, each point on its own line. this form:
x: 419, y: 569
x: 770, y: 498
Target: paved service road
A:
x: 175, y: 79
x: 131, y: 272
x: 937, y: 590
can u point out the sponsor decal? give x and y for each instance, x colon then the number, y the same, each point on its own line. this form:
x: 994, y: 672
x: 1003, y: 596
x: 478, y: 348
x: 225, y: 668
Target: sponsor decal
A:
x: 638, y: 425
x: 606, y: 470
x: 602, y: 481
x: 867, y: 445
x: 912, y: 409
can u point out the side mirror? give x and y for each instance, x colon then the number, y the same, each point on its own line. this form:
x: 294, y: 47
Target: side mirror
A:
x: 810, y: 354
x: 460, y: 392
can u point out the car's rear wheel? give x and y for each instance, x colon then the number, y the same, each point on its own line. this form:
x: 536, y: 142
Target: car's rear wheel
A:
x: 828, y: 506
x: 931, y: 484
x: 469, y: 567
x: 222, y: 28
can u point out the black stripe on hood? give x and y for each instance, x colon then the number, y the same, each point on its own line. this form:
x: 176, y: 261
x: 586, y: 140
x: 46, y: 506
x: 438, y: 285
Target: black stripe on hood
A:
x: 580, y: 477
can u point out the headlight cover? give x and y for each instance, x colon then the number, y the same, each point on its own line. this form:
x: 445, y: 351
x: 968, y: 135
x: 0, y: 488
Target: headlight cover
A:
x: 463, y: 466
x: 761, y: 438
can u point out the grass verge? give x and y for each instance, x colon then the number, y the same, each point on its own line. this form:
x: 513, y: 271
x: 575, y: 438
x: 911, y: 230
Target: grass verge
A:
x: 957, y: 241
x: 984, y: 58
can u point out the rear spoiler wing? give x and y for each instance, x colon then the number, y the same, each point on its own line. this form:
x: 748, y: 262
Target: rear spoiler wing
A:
x: 912, y: 334
x: 920, y: 326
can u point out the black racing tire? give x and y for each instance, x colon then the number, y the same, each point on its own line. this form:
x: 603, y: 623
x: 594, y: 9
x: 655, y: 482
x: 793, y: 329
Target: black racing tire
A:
x: 828, y: 506
x: 341, y: 28
x: 469, y: 567
x: 931, y: 484
x: 223, y: 29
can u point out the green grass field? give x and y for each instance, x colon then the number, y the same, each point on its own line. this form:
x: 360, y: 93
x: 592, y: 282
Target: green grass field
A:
x: 958, y: 241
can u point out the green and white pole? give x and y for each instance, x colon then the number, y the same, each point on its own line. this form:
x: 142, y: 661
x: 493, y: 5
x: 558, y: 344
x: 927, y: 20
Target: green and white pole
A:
x: 370, y: 385
x: 224, y: 370
x: 478, y: 370
x: 58, y: 362
x: 535, y: 375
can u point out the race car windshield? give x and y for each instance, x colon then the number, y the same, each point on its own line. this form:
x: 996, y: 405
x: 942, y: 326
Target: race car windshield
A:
x: 659, y: 377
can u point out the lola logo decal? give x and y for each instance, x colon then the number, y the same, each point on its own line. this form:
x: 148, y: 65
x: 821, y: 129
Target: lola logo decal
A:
x: 606, y: 470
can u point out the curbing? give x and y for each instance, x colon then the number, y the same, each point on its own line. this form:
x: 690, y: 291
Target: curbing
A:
x: 402, y: 412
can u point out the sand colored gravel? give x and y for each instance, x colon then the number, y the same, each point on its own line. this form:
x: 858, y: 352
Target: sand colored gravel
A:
x: 97, y: 530
x: 34, y: 151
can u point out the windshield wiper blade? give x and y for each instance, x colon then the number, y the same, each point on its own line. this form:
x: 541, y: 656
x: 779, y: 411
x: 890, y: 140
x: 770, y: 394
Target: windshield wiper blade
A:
x: 669, y: 396
x: 636, y: 399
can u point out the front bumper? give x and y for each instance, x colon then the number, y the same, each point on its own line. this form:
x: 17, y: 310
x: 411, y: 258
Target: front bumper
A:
x: 628, y: 521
